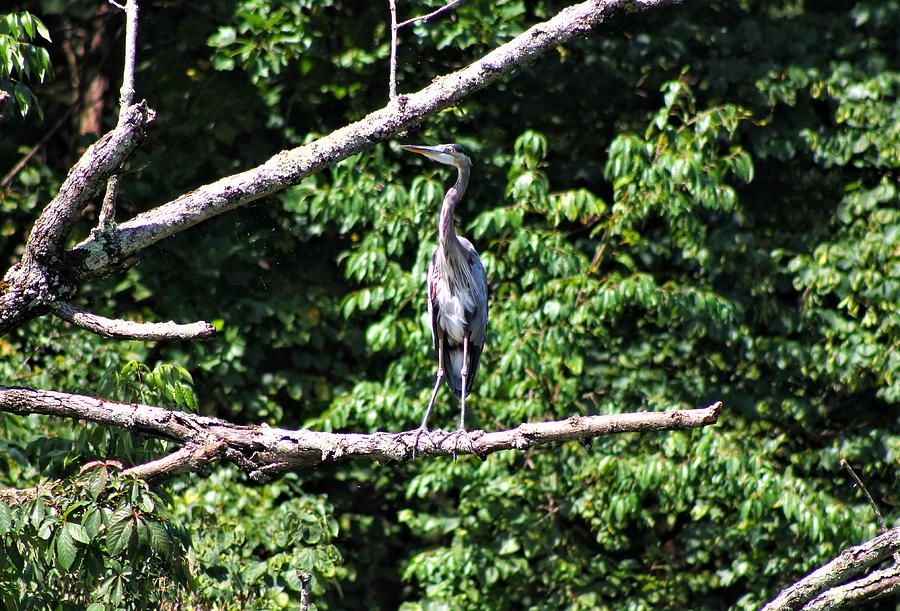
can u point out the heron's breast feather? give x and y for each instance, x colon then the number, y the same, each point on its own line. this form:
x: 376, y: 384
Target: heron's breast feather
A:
x: 452, y: 315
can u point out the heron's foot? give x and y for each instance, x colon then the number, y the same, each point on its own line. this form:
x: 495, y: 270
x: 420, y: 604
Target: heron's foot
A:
x: 462, y: 433
x: 422, y: 430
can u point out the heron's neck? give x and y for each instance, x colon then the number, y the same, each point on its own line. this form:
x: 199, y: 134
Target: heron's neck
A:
x: 446, y: 232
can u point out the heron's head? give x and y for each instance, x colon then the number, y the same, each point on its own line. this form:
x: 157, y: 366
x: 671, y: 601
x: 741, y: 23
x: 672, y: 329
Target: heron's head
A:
x: 448, y: 154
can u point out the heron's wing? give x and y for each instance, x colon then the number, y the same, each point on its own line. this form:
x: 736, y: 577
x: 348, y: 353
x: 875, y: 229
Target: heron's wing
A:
x: 479, y: 317
x: 433, y: 306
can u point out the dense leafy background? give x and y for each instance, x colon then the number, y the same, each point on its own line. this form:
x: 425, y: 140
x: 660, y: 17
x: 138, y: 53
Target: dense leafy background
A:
x: 695, y: 203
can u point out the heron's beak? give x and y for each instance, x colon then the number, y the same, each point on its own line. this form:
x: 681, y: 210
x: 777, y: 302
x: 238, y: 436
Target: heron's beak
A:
x: 432, y: 152
x: 428, y: 151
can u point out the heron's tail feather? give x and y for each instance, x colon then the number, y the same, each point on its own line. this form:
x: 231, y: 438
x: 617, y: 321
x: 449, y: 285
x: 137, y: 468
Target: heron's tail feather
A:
x: 453, y: 364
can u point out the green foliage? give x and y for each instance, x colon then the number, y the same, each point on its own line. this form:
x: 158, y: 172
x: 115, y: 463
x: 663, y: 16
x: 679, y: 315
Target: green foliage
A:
x: 21, y: 59
x: 249, y: 544
x: 92, y: 538
x: 166, y: 384
x: 686, y: 207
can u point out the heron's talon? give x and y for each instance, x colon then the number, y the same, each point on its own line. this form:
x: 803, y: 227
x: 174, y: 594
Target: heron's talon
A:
x: 419, y: 432
x: 462, y: 433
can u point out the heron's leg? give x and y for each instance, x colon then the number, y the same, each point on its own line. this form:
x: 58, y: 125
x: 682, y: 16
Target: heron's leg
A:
x: 437, y: 385
x: 464, y: 374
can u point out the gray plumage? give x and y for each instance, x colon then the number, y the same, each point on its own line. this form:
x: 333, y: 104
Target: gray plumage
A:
x: 457, y: 291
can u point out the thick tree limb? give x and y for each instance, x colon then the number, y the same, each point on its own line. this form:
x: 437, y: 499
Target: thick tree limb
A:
x: 128, y: 329
x: 849, y: 563
x: 101, y: 252
x: 264, y: 451
x: 44, y: 276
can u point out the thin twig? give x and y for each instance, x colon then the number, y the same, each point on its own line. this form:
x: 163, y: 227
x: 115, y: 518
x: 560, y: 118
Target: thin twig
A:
x: 451, y: 5
x: 878, y: 518
x: 126, y: 96
x: 392, y: 77
x: 392, y: 5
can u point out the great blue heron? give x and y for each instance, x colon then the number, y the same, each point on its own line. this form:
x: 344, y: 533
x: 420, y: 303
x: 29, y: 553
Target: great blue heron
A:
x: 457, y: 294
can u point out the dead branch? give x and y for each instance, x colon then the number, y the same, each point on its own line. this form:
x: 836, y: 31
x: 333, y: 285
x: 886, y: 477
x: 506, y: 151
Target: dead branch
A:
x: 44, y: 275
x: 264, y: 451
x: 189, y: 459
x: 865, y: 491
x: 395, y: 27
x: 128, y: 329
x: 392, y: 63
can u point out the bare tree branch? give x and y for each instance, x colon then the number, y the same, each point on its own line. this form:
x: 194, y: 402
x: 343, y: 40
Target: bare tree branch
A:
x: 127, y: 329
x: 264, y: 451
x: 31, y: 152
x: 861, y: 486
x: 451, y: 5
x: 849, y: 563
x: 191, y: 458
x: 305, y: 579
x: 46, y: 274
x: 126, y: 96
x: 101, y: 252
x: 392, y: 67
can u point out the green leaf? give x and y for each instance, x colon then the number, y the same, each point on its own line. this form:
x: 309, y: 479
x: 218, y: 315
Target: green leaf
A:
x: 160, y: 540
x: 65, y: 547
x: 6, y: 517
x: 120, y: 532
x: 78, y: 532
